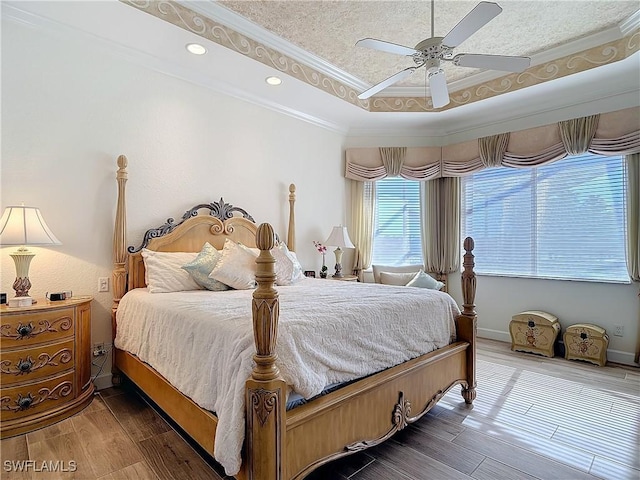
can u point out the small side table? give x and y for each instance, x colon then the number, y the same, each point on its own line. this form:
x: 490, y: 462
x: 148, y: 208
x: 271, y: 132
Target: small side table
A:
x: 46, y: 363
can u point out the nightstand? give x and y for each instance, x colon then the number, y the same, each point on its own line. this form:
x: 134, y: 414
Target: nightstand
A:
x: 45, y: 363
x: 346, y: 278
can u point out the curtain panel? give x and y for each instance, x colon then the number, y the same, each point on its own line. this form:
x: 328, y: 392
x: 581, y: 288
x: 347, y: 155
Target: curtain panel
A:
x: 363, y: 195
x: 440, y: 210
x: 632, y: 164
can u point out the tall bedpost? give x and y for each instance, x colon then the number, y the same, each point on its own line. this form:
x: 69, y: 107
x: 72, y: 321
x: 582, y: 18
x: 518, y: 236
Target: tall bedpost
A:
x: 291, y: 234
x: 265, y: 390
x: 468, y: 328
x: 119, y: 247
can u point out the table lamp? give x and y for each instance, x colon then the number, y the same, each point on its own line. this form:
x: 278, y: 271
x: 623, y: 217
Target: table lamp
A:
x: 339, y: 238
x: 24, y: 226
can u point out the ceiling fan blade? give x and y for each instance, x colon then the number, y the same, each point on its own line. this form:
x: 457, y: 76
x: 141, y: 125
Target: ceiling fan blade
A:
x: 401, y: 75
x: 482, y: 14
x: 492, y: 62
x: 386, y: 46
x: 438, y: 88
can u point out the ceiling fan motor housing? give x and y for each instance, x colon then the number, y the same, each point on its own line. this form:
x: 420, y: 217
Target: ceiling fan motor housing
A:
x: 430, y: 52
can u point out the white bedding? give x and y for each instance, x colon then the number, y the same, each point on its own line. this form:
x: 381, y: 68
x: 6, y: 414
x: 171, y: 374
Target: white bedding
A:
x: 328, y: 332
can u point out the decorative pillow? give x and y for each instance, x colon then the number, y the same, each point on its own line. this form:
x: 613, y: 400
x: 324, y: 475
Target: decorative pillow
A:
x: 393, y: 278
x: 236, y: 267
x: 394, y: 269
x: 164, y: 273
x: 288, y: 269
x: 424, y: 280
x: 201, y: 267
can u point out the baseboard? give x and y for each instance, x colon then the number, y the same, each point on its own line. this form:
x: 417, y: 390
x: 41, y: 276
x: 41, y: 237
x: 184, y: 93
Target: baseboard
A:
x: 494, y: 335
x: 614, y: 356
x: 623, y: 358
x: 103, y: 381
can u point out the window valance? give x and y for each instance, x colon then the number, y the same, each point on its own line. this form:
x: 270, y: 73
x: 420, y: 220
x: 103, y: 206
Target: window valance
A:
x: 614, y: 133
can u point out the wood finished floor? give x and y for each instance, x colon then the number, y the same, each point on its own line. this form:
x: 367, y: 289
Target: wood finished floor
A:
x: 534, y: 418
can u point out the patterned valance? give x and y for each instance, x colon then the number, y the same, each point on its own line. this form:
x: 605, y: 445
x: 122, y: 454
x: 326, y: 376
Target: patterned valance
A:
x: 614, y: 133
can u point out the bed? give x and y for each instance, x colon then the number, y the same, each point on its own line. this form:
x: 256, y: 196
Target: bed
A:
x: 281, y: 443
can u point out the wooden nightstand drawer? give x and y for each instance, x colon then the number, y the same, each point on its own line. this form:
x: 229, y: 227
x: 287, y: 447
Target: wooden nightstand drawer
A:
x: 30, y: 364
x: 34, y: 398
x: 25, y: 329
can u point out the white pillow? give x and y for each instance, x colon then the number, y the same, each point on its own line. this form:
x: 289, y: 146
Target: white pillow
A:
x: 201, y: 267
x: 424, y: 280
x: 164, y: 273
x: 396, y: 278
x: 288, y: 269
x: 236, y: 267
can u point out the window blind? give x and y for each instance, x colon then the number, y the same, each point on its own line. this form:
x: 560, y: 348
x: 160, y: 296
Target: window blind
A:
x: 564, y: 220
x: 396, y: 237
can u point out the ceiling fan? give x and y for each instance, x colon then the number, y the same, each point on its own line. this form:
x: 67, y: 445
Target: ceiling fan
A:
x: 431, y: 52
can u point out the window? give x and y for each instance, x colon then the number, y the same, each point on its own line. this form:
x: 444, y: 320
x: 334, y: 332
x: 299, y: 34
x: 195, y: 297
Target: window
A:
x: 564, y: 220
x: 396, y: 234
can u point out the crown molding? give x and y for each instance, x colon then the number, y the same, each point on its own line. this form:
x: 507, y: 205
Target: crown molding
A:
x: 630, y: 24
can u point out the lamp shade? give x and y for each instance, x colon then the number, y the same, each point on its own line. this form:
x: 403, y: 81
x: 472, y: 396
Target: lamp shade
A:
x: 339, y: 238
x: 25, y: 226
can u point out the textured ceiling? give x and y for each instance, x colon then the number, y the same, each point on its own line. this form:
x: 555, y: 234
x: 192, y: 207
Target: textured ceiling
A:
x: 330, y: 29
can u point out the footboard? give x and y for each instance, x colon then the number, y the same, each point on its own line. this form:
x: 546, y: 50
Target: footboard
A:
x: 363, y: 414
x: 366, y: 414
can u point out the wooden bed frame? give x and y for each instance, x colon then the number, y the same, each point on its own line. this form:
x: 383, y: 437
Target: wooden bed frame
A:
x: 282, y: 444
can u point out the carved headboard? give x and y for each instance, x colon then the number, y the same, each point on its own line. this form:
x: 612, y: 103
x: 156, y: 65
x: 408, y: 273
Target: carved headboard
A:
x: 191, y: 233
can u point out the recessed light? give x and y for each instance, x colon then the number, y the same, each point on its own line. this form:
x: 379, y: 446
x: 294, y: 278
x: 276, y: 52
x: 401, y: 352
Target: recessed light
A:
x: 196, y: 49
x: 273, y: 80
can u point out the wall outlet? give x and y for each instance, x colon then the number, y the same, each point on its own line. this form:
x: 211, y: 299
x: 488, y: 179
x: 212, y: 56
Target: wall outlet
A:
x: 103, y: 284
x: 618, y: 331
x: 99, y: 349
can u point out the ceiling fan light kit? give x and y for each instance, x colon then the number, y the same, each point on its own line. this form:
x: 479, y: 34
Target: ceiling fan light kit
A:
x: 431, y: 52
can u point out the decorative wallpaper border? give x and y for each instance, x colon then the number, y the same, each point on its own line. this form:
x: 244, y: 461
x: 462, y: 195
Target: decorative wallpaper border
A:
x: 187, y: 19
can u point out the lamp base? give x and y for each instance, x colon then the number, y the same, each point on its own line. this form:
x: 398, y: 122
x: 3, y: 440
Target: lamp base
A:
x: 338, y: 266
x: 22, y: 286
x: 22, y: 258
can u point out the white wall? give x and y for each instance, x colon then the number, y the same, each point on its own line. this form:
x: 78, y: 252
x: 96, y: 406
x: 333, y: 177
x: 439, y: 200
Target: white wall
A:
x: 68, y: 111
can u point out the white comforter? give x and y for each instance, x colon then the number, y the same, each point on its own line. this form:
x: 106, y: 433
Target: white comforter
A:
x: 329, y: 332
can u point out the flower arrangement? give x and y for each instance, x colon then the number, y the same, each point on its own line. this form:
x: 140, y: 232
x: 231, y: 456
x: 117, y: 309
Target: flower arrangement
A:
x: 323, y: 251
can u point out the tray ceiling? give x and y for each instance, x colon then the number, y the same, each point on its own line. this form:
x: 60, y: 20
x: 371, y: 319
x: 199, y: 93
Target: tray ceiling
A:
x: 330, y: 29
x: 585, y: 57
x: 314, y: 41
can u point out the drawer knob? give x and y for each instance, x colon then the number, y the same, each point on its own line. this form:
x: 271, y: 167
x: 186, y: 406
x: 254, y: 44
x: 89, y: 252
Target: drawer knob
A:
x: 24, y: 330
x: 25, y: 365
x: 24, y: 402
